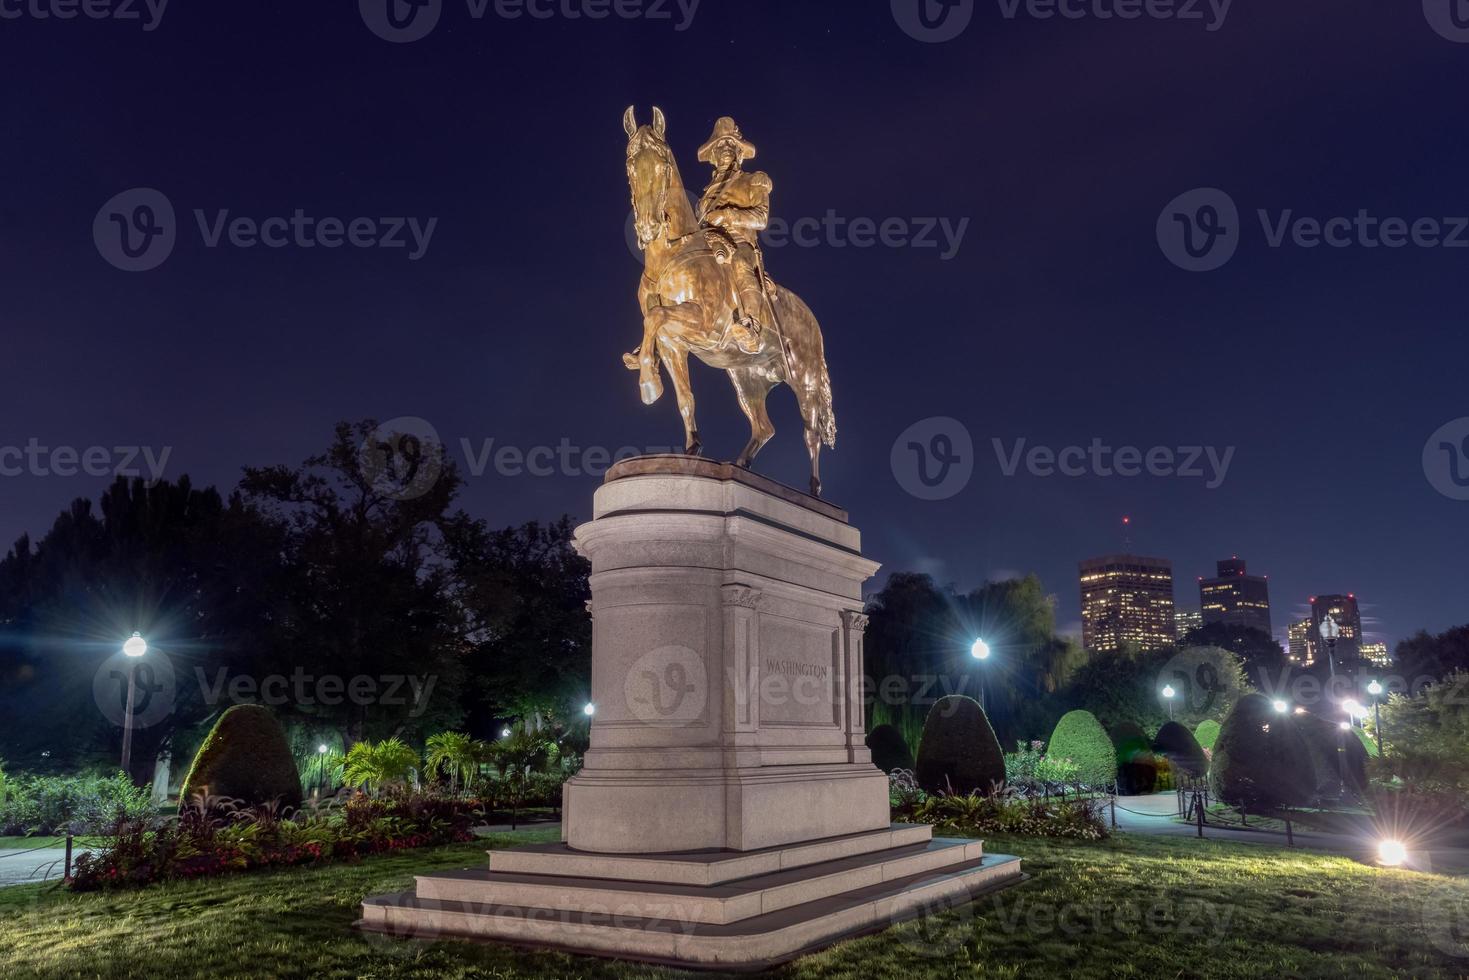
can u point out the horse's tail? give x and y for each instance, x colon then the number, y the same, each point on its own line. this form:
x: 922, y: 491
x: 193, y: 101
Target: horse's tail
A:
x: 826, y: 414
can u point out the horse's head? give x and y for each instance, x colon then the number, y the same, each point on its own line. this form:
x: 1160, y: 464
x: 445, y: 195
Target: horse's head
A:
x: 651, y: 172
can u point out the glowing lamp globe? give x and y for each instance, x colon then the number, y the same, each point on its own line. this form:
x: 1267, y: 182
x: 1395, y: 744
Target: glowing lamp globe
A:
x: 1169, y: 692
x: 589, y: 710
x: 1281, y: 706
x: 135, y: 646
x: 1374, y: 688
x: 980, y: 650
x: 1391, y: 853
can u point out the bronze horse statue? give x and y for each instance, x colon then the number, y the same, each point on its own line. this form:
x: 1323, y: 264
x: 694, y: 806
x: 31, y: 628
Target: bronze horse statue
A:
x: 688, y: 299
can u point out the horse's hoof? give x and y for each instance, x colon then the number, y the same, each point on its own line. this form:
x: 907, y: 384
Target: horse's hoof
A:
x: 743, y: 463
x: 697, y: 449
x: 630, y: 361
x: 815, y: 487
x: 650, y: 392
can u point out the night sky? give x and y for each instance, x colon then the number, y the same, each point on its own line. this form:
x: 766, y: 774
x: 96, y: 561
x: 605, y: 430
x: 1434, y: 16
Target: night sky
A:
x: 1058, y: 320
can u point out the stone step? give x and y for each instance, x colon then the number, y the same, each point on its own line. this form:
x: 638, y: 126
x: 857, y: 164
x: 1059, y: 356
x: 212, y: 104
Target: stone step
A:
x: 758, y: 942
x: 700, y: 867
x: 716, y: 904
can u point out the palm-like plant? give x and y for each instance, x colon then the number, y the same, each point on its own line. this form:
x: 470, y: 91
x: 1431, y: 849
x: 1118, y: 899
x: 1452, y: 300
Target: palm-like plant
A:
x: 458, y: 756
x: 524, y: 752
x: 375, y: 766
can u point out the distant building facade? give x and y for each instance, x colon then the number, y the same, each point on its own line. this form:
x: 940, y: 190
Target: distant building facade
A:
x: 1185, y: 621
x: 1343, y: 609
x: 1376, y: 654
x: 1235, y: 597
x: 1298, y: 645
x: 1127, y: 599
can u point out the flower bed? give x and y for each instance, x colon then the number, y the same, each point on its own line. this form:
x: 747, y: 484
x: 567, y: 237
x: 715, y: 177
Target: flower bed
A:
x: 1005, y: 812
x: 216, y: 836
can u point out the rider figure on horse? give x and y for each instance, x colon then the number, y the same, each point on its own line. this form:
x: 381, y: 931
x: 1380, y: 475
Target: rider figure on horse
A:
x: 736, y: 206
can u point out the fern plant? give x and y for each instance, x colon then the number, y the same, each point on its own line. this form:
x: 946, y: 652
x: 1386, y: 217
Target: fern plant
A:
x: 374, y: 766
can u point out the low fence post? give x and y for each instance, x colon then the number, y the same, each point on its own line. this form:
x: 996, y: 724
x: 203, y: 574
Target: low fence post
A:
x: 1199, y: 808
x: 1114, y: 811
x: 66, y: 871
x: 1290, y: 839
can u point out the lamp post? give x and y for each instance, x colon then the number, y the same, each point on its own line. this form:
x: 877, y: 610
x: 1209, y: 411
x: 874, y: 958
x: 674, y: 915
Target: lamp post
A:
x: 321, y: 769
x: 1375, y: 689
x: 1330, y: 632
x: 134, y: 648
x: 1280, y: 707
x: 980, y: 651
x: 1169, y: 693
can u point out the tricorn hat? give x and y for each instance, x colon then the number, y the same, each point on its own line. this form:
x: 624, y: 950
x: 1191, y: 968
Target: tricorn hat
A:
x: 726, y: 130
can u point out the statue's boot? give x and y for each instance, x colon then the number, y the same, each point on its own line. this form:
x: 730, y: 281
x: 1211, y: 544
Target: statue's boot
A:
x: 746, y: 334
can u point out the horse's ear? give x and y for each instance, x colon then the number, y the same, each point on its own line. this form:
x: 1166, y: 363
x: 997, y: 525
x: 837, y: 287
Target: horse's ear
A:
x: 660, y: 125
x: 630, y: 121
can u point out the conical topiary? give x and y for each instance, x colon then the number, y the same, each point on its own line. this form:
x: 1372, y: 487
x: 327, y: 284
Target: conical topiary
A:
x: 1082, y: 739
x: 889, y: 751
x: 1178, y: 745
x: 247, y: 758
x: 1207, y: 733
x: 959, y: 752
x: 1137, y: 772
x: 1261, y: 761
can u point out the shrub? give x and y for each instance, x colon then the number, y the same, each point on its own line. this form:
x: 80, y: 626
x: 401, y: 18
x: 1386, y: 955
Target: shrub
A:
x: 889, y: 751
x: 1335, y: 755
x: 959, y: 752
x: 1207, y: 734
x: 245, y: 757
x: 1183, y: 752
x: 87, y: 804
x: 1137, y: 771
x: 1082, y: 739
x: 1022, y: 766
x: 975, y: 815
x: 1261, y: 761
x: 904, y: 793
x: 458, y: 756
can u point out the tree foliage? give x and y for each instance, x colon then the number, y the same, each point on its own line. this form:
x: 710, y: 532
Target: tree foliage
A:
x: 889, y: 749
x: 1082, y: 739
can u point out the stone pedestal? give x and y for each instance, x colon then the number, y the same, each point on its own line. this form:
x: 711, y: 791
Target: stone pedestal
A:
x: 726, y: 666
x: 728, y: 812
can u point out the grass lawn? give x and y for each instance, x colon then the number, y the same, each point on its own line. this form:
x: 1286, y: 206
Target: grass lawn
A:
x: 41, y: 840
x: 1128, y: 907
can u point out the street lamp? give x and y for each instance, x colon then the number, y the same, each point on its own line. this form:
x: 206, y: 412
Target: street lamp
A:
x: 1375, y: 689
x: 980, y: 651
x: 134, y: 648
x: 321, y: 751
x: 1330, y: 632
x: 589, y: 710
x: 1170, y: 694
x: 1281, y: 707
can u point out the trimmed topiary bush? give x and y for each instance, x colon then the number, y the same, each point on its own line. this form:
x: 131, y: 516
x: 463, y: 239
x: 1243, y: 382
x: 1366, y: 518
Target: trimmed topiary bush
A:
x: 1207, y: 733
x: 246, y: 757
x: 1183, y: 752
x: 889, y: 750
x: 1261, y: 760
x: 1137, y: 772
x: 1082, y: 739
x: 959, y: 752
x: 1326, y: 743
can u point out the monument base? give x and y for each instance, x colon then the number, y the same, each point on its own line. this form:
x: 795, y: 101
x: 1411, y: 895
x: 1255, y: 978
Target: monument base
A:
x: 742, y: 909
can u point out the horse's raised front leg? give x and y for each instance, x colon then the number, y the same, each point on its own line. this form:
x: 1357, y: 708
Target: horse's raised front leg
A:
x: 676, y: 358
x: 650, y: 384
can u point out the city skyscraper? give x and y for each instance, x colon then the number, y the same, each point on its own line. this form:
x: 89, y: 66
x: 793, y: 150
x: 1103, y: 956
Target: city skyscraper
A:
x: 1127, y: 599
x: 1186, y: 620
x: 1377, y: 654
x: 1343, y: 609
x: 1234, y: 597
x: 1299, y: 649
